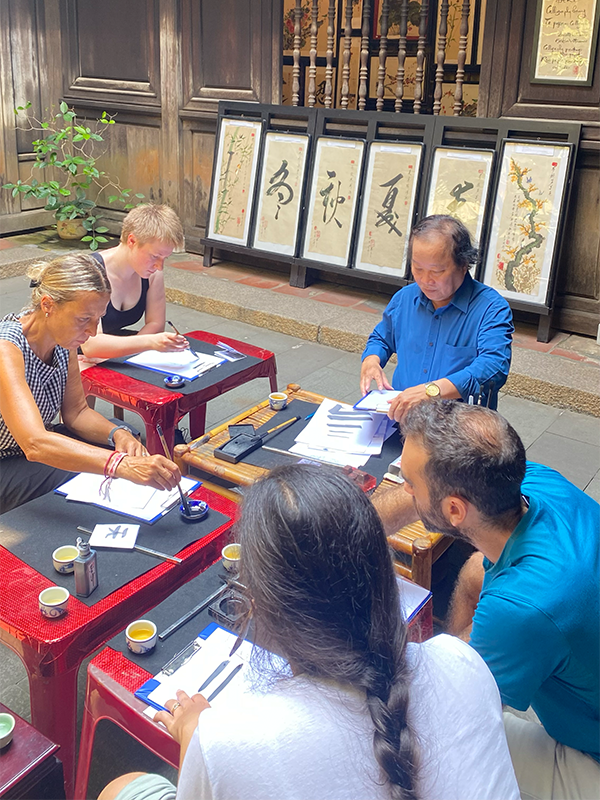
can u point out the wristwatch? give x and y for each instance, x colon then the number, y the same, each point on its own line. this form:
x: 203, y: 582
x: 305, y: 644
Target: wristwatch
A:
x: 111, y: 435
x: 432, y: 390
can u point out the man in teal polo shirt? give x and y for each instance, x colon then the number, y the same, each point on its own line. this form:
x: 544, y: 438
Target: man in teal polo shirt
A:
x: 528, y: 600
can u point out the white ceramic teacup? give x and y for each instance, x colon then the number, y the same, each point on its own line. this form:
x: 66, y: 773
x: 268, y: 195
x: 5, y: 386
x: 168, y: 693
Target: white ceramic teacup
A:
x: 63, y: 558
x: 7, y: 727
x: 231, y: 557
x: 278, y: 401
x: 141, y: 636
x: 53, y: 602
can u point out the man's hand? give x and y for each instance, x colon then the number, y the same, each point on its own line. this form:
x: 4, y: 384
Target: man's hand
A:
x: 169, y: 342
x: 371, y: 371
x: 407, y: 399
x: 125, y: 442
x: 156, y: 471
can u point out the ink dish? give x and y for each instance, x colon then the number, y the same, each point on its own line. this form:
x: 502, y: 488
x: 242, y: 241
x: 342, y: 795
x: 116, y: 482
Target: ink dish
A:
x: 174, y: 381
x: 198, y: 511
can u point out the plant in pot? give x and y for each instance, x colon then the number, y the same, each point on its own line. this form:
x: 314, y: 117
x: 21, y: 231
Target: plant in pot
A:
x: 67, y: 148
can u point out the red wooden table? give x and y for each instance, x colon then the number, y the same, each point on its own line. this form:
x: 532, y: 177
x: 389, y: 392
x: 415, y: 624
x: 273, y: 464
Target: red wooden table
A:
x: 165, y: 406
x: 52, y: 650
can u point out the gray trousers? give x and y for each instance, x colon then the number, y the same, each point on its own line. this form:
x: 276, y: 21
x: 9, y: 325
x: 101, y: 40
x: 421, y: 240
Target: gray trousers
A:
x: 22, y: 480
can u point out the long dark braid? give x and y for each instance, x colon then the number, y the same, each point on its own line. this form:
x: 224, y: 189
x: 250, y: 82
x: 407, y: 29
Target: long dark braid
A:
x: 317, y: 566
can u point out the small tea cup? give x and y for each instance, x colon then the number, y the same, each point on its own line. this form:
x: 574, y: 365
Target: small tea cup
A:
x: 53, y: 602
x: 231, y: 554
x: 7, y: 727
x: 64, y: 557
x: 141, y: 636
x: 278, y: 401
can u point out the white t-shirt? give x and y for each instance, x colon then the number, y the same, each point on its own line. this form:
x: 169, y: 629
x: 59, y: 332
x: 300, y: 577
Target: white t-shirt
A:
x: 308, y: 740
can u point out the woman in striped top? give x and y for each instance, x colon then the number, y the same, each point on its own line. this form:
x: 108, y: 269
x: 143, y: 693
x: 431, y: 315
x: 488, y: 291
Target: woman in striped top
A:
x: 39, y: 377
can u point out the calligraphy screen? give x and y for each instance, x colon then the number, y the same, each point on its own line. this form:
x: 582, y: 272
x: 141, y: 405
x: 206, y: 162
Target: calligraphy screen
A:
x: 388, y: 207
x: 280, y: 192
x: 527, y: 208
x: 459, y: 186
x: 565, y: 41
x: 332, y: 200
x: 233, y: 181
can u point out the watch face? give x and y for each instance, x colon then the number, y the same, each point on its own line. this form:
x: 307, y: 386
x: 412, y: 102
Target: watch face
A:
x: 432, y: 390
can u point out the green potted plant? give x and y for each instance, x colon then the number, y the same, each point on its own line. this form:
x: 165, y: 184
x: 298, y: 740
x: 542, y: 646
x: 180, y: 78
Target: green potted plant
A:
x: 67, y: 148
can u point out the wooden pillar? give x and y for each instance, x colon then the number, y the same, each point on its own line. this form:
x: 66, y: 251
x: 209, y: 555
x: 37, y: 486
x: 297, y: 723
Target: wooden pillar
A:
x: 421, y: 56
x: 171, y: 93
x: 441, y: 57
x: 401, y: 55
x: 312, y: 70
x: 385, y: 9
x: 347, y: 53
x: 365, y: 42
x: 296, y: 65
x: 329, y: 66
x: 462, y: 54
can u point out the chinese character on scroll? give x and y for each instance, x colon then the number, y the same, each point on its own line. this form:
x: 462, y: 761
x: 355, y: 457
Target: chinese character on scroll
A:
x: 388, y: 207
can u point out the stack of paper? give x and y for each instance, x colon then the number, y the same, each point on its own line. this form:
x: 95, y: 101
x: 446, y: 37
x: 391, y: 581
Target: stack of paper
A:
x: 124, y: 497
x: 186, y: 363
x: 342, y: 435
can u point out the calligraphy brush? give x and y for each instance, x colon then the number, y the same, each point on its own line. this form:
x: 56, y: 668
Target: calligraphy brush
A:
x: 163, y: 441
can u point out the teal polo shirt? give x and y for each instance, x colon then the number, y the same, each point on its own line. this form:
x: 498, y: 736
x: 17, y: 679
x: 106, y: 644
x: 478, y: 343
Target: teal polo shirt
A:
x: 537, y: 623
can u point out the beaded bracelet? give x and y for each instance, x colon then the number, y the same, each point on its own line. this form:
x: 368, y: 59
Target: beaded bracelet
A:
x: 110, y: 469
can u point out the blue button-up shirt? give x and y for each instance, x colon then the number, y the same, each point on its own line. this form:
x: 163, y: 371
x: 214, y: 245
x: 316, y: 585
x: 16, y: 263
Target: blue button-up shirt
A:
x: 468, y: 341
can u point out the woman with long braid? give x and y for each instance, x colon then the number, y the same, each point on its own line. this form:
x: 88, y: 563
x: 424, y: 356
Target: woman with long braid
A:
x: 359, y: 714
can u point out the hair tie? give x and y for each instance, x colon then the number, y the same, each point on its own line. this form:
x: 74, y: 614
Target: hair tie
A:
x: 34, y: 283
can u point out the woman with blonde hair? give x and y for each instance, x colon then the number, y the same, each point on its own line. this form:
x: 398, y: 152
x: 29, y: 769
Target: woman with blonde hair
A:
x: 39, y: 377
x: 134, y: 267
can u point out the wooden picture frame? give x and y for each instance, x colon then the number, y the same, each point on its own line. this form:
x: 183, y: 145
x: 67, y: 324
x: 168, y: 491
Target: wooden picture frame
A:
x: 565, y: 42
x: 529, y: 202
x: 280, y: 192
x: 388, y: 206
x: 459, y: 186
x: 332, y: 200
x: 234, y: 178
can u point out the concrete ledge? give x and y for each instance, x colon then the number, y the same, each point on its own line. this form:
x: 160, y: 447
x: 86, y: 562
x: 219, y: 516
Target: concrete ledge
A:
x: 552, y: 394
x: 16, y: 260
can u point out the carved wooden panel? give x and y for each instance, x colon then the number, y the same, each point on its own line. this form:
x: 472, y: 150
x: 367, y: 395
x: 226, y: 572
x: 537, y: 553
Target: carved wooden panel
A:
x: 228, y: 52
x: 112, y: 50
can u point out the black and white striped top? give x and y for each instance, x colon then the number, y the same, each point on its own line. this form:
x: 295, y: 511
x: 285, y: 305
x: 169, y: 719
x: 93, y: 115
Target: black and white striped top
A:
x: 47, y: 382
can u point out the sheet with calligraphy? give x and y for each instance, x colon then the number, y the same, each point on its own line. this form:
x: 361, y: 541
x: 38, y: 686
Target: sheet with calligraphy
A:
x: 234, y: 179
x: 527, y: 210
x: 332, y: 200
x: 388, y: 207
x: 565, y: 40
x: 280, y: 192
x: 459, y: 184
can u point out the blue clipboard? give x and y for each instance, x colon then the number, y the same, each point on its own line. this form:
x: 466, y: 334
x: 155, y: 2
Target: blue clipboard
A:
x: 153, y: 683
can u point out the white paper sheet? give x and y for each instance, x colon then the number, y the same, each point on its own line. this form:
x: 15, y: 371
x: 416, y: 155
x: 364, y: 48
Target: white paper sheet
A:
x: 349, y: 432
x: 124, y: 497
x: 122, y: 537
x: 186, y: 363
x: 377, y: 401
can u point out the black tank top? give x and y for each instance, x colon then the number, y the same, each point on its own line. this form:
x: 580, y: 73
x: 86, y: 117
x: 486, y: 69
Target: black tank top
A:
x: 114, y: 321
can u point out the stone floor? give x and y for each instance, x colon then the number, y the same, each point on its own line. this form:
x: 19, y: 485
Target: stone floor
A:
x: 564, y: 440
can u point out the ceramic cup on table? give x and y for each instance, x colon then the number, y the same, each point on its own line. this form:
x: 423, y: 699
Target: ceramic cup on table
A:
x: 53, y: 602
x: 278, y: 401
x: 141, y: 636
x: 64, y: 557
x: 7, y: 727
x: 231, y: 554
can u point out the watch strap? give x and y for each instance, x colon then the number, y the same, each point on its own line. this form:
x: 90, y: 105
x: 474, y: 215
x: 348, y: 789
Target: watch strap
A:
x: 111, y: 435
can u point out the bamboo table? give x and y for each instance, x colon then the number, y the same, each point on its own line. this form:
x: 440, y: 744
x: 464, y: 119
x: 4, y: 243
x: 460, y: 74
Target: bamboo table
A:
x: 416, y: 549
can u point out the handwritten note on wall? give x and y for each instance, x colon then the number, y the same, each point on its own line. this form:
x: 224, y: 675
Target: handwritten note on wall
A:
x: 565, y: 39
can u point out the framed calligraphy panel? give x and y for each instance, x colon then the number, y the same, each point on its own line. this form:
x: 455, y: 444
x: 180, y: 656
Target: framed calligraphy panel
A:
x: 530, y: 195
x: 332, y: 200
x: 280, y: 192
x: 459, y: 185
x: 234, y: 176
x: 564, y: 42
x: 388, y: 207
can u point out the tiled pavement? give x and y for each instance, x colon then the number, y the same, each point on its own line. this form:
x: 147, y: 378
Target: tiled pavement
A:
x: 564, y: 440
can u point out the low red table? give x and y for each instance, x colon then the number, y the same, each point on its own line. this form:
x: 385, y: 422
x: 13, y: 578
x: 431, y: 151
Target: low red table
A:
x: 167, y: 407
x: 52, y: 650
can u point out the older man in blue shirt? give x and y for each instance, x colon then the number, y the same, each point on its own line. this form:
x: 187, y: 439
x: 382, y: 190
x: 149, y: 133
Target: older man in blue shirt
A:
x: 452, y: 334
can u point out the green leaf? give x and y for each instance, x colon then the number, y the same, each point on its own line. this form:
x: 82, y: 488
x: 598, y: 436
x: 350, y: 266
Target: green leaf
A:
x: 94, y: 245
x: 111, y: 199
x: 63, y: 107
x: 101, y: 229
x: 86, y: 238
x: 101, y: 238
x: 141, y: 196
x: 64, y: 192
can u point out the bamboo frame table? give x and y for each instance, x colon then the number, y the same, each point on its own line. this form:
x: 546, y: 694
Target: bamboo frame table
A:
x: 416, y: 549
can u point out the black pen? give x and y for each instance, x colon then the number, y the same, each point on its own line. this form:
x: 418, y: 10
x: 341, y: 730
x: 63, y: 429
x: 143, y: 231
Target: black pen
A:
x: 173, y: 326
x: 221, y: 686
x: 213, y: 675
